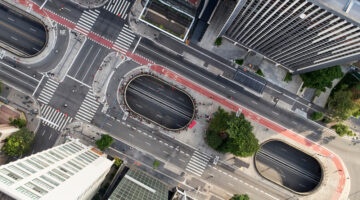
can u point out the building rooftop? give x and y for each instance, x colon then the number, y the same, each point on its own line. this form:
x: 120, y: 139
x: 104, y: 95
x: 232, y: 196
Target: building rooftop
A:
x: 340, y: 7
x: 137, y: 185
x: 66, y: 171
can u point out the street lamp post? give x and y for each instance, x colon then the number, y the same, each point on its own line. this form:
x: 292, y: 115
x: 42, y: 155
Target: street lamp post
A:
x: 42, y: 5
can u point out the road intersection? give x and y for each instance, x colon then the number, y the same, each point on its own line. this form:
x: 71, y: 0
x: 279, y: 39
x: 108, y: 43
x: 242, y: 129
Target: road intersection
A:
x: 85, y: 107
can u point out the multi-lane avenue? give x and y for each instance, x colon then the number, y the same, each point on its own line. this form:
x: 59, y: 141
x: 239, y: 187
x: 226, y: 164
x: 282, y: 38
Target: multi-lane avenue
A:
x: 73, y: 99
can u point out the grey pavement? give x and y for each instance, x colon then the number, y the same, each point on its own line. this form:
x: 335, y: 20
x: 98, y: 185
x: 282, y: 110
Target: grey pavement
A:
x: 75, y: 44
x: 25, y: 103
x: 103, y: 77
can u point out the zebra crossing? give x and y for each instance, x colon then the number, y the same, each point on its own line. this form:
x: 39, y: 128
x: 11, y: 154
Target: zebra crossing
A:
x: 48, y: 91
x: 124, y: 39
x: 86, y: 21
x: 198, y: 163
x: 88, y: 108
x: 118, y: 7
x: 54, y: 118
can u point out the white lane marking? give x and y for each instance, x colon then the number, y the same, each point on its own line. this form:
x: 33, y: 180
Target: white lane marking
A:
x: 182, y: 160
x: 165, y: 152
x: 183, y: 66
x: 14, y: 38
x: 11, y: 19
x: 131, y: 135
x: 19, y: 71
x: 275, y: 112
x: 148, y: 143
x: 109, y: 124
x: 254, y: 102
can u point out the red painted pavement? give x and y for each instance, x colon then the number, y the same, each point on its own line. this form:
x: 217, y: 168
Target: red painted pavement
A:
x: 248, y: 113
x: 254, y: 116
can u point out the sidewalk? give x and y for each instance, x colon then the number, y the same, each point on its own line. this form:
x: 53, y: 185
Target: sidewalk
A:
x: 89, y: 4
x: 336, y: 186
x: 26, y: 104
x: 104, y: 74
x: 76, y: 42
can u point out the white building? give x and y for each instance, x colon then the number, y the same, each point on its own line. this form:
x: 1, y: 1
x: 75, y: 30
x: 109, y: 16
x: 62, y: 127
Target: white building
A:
x: 68, y: 171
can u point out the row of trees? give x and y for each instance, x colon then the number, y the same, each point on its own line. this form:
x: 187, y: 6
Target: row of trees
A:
x: 228, y: 133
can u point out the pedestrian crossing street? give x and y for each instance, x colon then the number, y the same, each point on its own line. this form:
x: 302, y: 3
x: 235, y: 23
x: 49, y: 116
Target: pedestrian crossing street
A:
x: 48, y: 91
x: 88, y: 108
x: 54, y: 118
x: 124, y: 39
x: 86, y: 21
x: 118, y: 7
x: 198, y: 163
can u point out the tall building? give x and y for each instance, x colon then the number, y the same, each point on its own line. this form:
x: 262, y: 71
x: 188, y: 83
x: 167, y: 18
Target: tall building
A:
x: 68, y: 171
x: 300, y: 35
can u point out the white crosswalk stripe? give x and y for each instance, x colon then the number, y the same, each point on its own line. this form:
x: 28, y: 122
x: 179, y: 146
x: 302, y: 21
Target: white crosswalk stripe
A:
x: 118, y: 7
x: 124, y: 40
x: 48, y: 91
x: 54, y: 118
x: 86, y: 21
x: 198, y: 163
x: 88, y: 108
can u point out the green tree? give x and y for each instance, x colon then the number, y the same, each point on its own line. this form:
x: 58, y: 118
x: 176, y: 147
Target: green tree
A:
x: 240, y: 197
x: 218, y: 41
x: 259, y: 72
x: 18, y: 143
x: 19, y: 123
x: 241, y: 141
x: 342, y: 130
x: 341, y: 104
x: 321, y: 79
x: 118, y: 162
x: 316, y: 116
x: 288, y: 77
x: 239, y: 61
x: 228, y: 133
x: 156, y: 164
x: 104, y: 142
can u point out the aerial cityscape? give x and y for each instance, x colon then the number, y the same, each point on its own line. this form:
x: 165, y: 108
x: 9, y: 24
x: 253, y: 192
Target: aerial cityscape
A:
x: 180, y: 99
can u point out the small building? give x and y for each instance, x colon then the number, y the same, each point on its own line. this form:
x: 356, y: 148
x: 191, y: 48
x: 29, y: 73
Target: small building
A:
x: 68, y: 171
x: 138, y: 185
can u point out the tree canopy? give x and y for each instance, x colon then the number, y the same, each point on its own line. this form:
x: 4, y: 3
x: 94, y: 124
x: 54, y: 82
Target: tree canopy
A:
x: 228, y: 133
x: 18, y: 143
x: 321, y: 79
x: 19, y: 123
x: 341, y: 104
x: 104, y: 142
x: 240, y: 197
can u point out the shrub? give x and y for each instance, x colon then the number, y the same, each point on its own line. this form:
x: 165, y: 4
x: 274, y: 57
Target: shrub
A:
x: 239, y: 61
x: 342, y: 130
x: 259, y: 72
x: 218, y: 41
x: 288, y: 77
x: 104, y: 142
x: 316, y: 116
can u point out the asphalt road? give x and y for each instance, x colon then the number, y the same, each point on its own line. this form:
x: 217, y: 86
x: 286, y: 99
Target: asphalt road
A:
x: 267, y: 109
x: 159, y: 102
x: 27, y: 36
x: 45, y: 138
x: 290, y: 167
x: 87, y: 62
x: 22, y: 79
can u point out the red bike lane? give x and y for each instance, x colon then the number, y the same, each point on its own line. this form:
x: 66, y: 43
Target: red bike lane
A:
x: 263, y: 121
x: 222, y: 100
